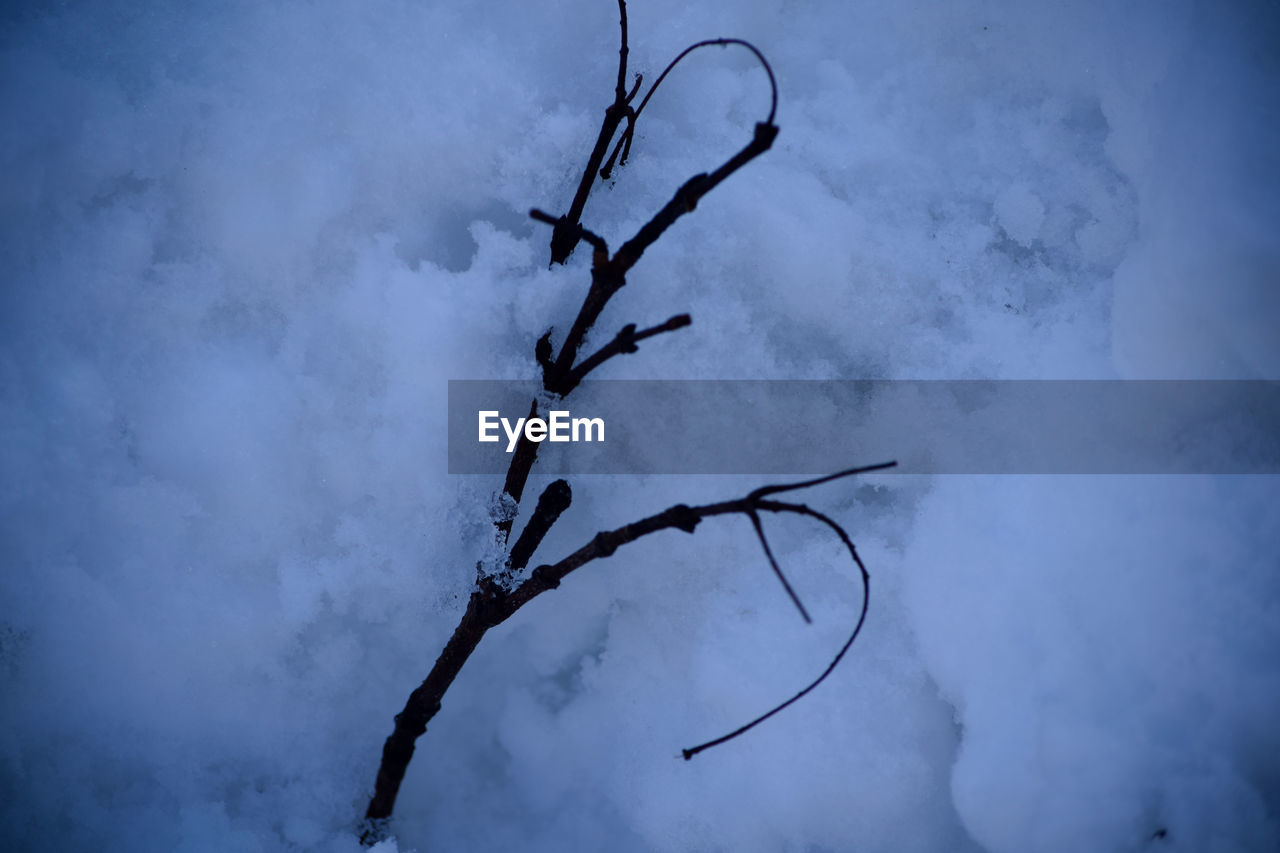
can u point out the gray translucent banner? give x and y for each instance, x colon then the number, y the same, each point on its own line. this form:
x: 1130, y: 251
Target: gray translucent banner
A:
x: 929, y: 427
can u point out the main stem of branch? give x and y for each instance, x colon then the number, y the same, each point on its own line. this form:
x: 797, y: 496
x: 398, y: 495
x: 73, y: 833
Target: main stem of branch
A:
x: 422, y: 705
x: 490, y: 604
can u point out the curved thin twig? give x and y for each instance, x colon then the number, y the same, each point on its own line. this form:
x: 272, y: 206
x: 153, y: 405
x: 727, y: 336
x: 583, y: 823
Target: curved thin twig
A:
x: 624, y: 141
x: 818, y: 481
x: 801, y: 509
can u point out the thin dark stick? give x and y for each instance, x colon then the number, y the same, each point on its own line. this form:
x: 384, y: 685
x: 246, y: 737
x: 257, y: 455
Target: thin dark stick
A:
x: 564, y: 239
x: 777, y: 570
x: 620, y: 91
x: 624, y: 141
x: 517, y: 476
x: 773, y: 506
x: 688, y: 196
x: 624, y: 342
x: 552, y: 503
x: 808, y: 484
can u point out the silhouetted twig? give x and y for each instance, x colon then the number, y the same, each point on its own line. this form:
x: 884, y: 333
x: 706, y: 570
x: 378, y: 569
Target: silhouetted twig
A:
x: 490, y: 605
x: 497, y: 596
x: 624, y: 342
x: 773, y: 506
x: 624, y: 141
x: 565, y: 236
x: 517, y: 475
x: 575, y: 228
x: 608, y: 274
x: 553, y: 501
x: 777, y: 570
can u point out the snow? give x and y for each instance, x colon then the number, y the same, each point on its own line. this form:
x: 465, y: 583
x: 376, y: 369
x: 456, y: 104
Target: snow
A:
x: 246, y: 245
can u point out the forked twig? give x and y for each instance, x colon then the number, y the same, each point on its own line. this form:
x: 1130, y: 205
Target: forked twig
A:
x: 491, y: 605
x: 773, y: 506
x: 624, y: 141
x: 565, y: 236
x: 494, y: 600
x: 624, y: 342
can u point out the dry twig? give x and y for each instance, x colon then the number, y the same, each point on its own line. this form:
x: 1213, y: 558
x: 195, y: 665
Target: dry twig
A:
x: 498, y: 596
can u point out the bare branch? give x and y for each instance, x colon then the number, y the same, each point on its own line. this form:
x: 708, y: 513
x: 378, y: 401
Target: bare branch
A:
x: 564, y: 239
x: 688, y: 196
x: 517, y: 475
x: 422, y: 705
x: 578, y: 232
x: 609, y: 276
x: 624, y: 342
x: 490, y: 605
x: 624, y: 141
x: 555, y: 499
x: 807, y: 484
x: 680, y: 516
x: 621, y: 91
x: 774, y: 506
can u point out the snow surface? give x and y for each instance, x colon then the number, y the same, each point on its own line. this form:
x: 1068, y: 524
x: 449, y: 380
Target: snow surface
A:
x: 246, y: 244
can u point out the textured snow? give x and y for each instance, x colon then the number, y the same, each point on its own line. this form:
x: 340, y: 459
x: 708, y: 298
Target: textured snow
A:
x: 246, y: 245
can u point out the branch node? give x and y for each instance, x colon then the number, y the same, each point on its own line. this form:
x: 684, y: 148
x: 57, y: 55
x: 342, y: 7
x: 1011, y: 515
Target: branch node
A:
x: 766, y: 132
x: 684, y: 518
x: 543, y: 577
x: 626, y: 341
x: 692, y: 190
x: 565, y: 234
x: 486, y: 599
x: 603, y: 544
x: 599, y: 255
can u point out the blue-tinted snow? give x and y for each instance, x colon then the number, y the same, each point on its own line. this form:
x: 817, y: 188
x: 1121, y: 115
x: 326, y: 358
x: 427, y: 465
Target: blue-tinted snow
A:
x: 245, y: 245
